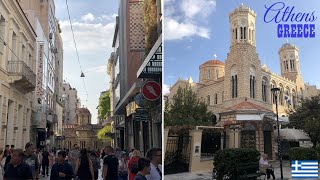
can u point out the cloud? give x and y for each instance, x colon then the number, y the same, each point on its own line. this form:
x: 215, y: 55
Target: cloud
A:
x: 90, y: 37
x: 88, y: 17
x: 165, y: 89
x: 183, y: 20
x: 98, y: 69
x: 175, y: 30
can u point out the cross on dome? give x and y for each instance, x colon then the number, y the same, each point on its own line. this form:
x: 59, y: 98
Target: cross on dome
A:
x: 215, y: 56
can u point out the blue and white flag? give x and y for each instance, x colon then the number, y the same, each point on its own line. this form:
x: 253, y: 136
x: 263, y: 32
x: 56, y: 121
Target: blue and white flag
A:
x: 304, y: 169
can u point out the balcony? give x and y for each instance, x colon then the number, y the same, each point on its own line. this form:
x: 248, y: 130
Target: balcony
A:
x: 21, y: 76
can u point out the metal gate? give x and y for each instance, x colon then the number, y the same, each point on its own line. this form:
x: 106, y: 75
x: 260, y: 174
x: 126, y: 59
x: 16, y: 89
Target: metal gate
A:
x: 177, y: 157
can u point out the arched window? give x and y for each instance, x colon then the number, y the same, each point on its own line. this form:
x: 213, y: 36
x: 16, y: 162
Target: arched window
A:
x: 209, y: 74
x: 252, y: 81
x: 273, y: 97
x: 234, y: 82
x: 287, y: 66
x: 281, y: 97
x: 264, y: 89
x: 208, y: 100
x: 241, y: 32
x: 216, y: 98
x: 244, y: 32
x: 236, y: 33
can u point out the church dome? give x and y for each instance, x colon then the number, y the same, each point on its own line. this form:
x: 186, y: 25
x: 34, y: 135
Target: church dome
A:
x: 83, y: 111
x: 288, y: 45
x: 212, y: 63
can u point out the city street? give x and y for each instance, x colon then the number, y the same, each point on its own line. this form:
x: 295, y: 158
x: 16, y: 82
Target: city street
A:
x: 208, y: 175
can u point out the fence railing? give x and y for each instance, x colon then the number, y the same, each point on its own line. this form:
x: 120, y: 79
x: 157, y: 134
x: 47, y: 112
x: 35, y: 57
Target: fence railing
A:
x: 19, y: 68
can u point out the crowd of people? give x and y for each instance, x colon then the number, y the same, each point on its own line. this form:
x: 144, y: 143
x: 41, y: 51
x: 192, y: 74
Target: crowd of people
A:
x: 79, y: 164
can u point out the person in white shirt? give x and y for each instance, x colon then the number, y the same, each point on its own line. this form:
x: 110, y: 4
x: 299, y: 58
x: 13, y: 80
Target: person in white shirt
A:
x: 265, y: 164
x: 155, y: 156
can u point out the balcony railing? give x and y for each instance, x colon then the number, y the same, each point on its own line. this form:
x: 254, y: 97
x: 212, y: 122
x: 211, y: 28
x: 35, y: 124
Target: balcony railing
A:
x: 22, y: 77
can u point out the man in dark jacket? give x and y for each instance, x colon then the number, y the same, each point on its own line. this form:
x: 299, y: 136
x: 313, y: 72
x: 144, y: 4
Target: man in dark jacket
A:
x: 17, y: 169
x: 61, y: 170
x: 45, y: 162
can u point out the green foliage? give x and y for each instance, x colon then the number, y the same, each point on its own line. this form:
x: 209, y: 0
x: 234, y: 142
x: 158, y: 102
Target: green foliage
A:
x: 104, y: 106
x: 102, y: 133
x: 150, y: 24
x: 187, y: 110
x: 307, y: 118
x: 226, y: 160
x: 301, y: 153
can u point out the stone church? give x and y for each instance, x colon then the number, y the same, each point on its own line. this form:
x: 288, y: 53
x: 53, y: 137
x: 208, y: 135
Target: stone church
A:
x: 82, y: 132
x: 238, y: 90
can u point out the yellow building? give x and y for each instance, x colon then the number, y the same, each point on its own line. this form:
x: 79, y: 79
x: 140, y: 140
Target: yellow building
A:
x: 82, y: 132
x: 238, y: 90
x: 17, y: 74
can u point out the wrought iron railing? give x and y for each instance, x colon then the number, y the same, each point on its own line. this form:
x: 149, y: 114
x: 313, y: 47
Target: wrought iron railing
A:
x: 19, y: 68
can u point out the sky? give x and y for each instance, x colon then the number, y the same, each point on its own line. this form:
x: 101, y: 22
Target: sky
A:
x: 93, y: 24
x: 200, y: 28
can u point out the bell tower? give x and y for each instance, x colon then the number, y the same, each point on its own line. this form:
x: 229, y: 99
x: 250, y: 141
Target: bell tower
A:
x: 242, y: 26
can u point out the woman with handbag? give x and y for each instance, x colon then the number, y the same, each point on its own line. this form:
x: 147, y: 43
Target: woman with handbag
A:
x: 84, y: 167
x: 123, y: 167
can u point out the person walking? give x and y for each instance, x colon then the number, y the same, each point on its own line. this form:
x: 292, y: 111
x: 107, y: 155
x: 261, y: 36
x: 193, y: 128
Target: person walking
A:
x: 2, y: 161
x: 110, y: 165
x: 95, y: 163
x: 61, y: 170
x: 123, y: 167
x: 144, y: 169
x: 84, y: 167
x: 73, y: 156
x: 31, y: 159
x: 45, y: 163
x: 266, y: 167
x: 17, y: 169
x: 133, y: 164
x: 155, y: 156
x: 39, y: 156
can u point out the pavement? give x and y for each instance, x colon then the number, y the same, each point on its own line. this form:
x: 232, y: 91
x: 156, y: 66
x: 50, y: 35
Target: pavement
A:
x: 207, y: 175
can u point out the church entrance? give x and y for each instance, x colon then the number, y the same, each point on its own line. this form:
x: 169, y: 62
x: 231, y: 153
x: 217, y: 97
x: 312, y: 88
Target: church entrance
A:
x: 267, y: 138
x: 248, y: 136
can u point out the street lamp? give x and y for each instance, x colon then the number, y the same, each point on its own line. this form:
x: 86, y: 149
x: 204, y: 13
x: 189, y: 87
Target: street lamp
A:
x: 275, y: 93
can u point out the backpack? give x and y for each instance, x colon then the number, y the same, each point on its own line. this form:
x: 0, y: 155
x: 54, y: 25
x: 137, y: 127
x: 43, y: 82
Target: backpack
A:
x: 134, y: 167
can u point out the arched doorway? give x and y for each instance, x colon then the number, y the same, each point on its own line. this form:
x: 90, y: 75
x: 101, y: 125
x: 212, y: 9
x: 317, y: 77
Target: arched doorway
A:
x: 248, y: 136
x: 267, y: 138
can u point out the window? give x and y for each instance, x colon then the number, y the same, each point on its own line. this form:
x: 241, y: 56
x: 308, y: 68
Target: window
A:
x: 264, y: 90
x: 217, y: 73
x: 281, y: 95
x: 241, y: 32
x: 252, y: 81
x: 236, y: 33
x: 284, y: 65
x: 208, y: 100
x: 273, y: 97
x: 14, y: 46
x: 252, y: 84
x: 234, y: 84
x: 287, y: 66
x: 216, y: 98
x: 244, y: 32
x: 2, y: 35
x: 249, y: 34
x: 209, y: 74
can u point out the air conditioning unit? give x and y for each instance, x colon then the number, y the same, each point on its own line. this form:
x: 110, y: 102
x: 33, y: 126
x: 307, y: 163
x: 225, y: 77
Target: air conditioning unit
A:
x: 54, y: 50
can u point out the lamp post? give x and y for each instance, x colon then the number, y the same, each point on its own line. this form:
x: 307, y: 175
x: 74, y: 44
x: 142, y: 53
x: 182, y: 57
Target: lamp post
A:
x: 275, y: 93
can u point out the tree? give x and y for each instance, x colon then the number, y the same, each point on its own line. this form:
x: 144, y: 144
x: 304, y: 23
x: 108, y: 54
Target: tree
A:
x: 307, y: 118
x: 103, y: 133
x: 186, y: 110
x: 104, y: 106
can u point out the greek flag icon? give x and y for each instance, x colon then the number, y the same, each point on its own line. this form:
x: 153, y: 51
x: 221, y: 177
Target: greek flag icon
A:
x: 304, y: 169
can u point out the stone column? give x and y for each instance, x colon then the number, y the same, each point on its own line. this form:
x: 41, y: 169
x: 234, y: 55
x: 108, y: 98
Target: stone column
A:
x: 238, y: 139
x: 195, y: 154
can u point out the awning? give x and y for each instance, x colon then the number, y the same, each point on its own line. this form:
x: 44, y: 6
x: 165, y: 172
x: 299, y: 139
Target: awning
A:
x: 257, y: 117
x: 292, y: 135
x: 152, y: 65
x: 121, y: 107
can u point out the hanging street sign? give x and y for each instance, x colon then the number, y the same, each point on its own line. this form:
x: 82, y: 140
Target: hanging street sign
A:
x: 151, y: 90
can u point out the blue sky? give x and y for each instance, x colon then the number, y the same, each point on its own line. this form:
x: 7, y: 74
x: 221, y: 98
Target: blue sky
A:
x: 195, y: 30
x: 93, y: 24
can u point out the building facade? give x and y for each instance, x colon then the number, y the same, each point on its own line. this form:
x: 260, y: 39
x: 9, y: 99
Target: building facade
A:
x: 82, y: 132
x: 124, y: 66
x: 71, y: 103
x: 238, y: 90
x: 17, y: 74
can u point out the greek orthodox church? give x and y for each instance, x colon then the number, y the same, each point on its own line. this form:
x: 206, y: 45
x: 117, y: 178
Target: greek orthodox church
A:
x: 82, y: 132
x: 238, y: 90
